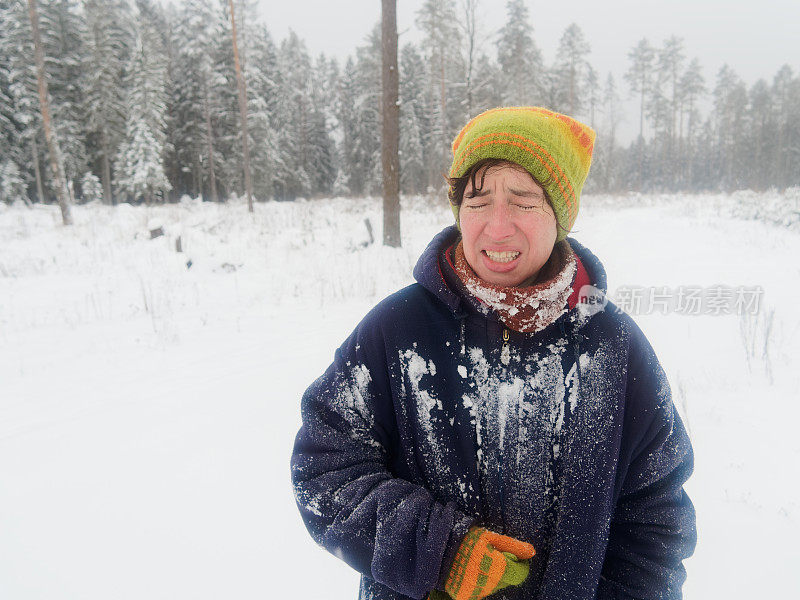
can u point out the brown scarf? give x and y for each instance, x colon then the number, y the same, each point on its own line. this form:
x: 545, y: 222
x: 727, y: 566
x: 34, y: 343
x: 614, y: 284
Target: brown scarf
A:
x: 536, y: 302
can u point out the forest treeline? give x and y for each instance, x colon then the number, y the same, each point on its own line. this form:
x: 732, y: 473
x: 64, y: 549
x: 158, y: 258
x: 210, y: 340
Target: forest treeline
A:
x: 144, y: 105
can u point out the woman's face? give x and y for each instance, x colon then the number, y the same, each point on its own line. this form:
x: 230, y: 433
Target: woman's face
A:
x: 508, y: 228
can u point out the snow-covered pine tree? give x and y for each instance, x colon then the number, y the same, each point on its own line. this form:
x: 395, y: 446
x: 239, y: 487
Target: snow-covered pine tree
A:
x: 224, y: 110
x: 671, y: 58
x: 294, y: 114
x: 413, y: 121
x: 23, y: 111
x: 109, y: 40
x: 322, y: 166
x: 442, y: 43
x: 347, y: 179
x: 195, y: 97
x: 54, y: 151
x: 786, y: 95
x: 519, y: 58
x: 10, y: 128
x: 12, y: 185
x: 591, y: 85
x: 260, y: 72
x: 63, y: 27
x: 611, y: 118
x: 728, y: 120
x: 91, y: 188
x: 571, y: 63
x: 640, y: 75
x: 140, y: 164
x: 368, y: 107
x: 241, y: 88
x: 692, y: 87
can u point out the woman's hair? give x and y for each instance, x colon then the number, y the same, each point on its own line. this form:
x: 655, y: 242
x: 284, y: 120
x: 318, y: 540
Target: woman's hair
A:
x: 458, y: 185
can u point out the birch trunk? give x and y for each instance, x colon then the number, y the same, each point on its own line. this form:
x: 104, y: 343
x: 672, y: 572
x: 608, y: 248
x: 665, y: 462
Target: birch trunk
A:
x: 248, y: 184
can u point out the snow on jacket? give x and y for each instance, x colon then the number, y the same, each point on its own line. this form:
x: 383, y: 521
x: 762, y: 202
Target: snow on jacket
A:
x: 428, y: 421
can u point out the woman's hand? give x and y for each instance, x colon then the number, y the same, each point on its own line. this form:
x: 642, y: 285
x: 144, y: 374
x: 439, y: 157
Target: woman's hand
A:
x: 485, y: 563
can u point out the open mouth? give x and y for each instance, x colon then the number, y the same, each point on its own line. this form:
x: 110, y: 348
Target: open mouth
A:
x: 501, y: 257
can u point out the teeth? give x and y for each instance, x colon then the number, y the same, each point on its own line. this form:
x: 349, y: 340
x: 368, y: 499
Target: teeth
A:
x: 501, y: 256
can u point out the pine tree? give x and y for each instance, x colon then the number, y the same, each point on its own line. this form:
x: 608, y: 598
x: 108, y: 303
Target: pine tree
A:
x: 786, y: 95
x: 23, y: 111
x: 10, y: 126
x: 260, y: 73
x: 195, y: 97
x: 294, y: 111
x: 442, y: 41
x: 469, y: 23
x: 241, y: 86
x: 571, y: 65
x: 606, y: 145
x: 109, y: 38
x: 519, y: 58
x: 640, y: 75
x: 730, y: 104
x: 692, y: 87
x: 592, y: 94
x: 56, y: 160
x: 12, y: 185
x: 321, y: 146
x: 413, y: 119
x: 63, y: 34
x: 140, y: 168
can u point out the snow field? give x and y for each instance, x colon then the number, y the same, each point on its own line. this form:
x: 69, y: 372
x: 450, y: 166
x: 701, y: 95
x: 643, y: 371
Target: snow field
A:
x: 147, y: 409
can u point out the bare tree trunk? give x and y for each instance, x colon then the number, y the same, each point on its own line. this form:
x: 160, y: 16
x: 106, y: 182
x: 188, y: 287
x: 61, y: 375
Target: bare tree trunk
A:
x: 248, y: 184
x: 445, y: 142
x: 106, y: 168
x: 210, y: 145
x: 572, y: 89
x: 390, y: 145
x: 49, y: 134
x: 197, y: 177
x: 37, y: 171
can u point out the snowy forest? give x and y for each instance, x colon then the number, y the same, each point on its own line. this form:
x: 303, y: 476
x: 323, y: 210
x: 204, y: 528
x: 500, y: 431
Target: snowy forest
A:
x: 144, y: 105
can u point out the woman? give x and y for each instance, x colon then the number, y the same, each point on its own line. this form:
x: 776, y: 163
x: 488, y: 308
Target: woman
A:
x: 484, y: 431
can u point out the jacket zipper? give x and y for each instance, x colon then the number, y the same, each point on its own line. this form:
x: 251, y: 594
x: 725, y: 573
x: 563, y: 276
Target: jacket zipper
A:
x: 505, y: 358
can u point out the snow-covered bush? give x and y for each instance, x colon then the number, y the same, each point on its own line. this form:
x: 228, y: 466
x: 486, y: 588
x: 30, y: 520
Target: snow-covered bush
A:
x: 12, y: 186
x: 91, y: 187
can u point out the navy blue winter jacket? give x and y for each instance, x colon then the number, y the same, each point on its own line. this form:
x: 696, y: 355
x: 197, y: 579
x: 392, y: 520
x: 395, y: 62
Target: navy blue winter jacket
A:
x: 429, y: 421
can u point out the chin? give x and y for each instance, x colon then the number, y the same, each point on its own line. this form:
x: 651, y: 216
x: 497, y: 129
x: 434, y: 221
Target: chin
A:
x: 503, y: 281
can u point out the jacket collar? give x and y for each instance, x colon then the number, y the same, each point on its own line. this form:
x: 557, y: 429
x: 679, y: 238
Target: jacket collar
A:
x: 428, y: 272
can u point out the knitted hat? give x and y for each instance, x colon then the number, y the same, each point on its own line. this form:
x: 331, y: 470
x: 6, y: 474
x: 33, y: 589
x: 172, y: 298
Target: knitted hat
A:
x: 554, y: 148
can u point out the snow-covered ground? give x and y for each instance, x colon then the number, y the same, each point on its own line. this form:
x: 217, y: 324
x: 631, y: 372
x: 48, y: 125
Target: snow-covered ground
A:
x: 148, y: 407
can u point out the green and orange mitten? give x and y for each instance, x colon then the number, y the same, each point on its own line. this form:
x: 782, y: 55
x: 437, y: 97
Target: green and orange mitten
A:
x: 485, y: 562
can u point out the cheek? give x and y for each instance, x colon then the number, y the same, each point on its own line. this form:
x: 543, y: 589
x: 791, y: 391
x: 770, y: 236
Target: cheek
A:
x: 470, y: 225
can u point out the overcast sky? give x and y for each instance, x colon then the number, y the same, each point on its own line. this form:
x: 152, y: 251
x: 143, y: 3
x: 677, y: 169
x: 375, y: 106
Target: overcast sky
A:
x: 754, y: 37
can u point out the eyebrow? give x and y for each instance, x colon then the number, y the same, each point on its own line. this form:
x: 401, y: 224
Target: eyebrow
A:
x: 523, y: 193
x: 527, y: 193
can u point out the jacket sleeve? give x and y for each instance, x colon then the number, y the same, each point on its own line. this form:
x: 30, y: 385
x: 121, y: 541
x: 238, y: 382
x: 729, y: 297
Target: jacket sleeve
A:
x: 653, y: 524
x: 389, y: 529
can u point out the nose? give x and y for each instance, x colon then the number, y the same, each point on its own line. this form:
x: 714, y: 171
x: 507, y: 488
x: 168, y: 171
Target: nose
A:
x: 499, y: 225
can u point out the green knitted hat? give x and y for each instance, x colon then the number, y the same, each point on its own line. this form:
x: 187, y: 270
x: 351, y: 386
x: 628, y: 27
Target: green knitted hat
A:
x: 554, y: 148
